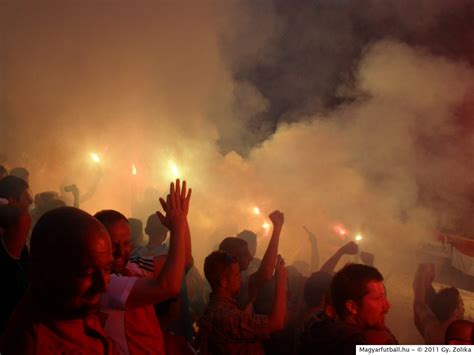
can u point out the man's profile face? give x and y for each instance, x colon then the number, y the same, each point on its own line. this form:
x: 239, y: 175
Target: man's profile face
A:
x: 373, y: 307
x: 24, y: 202
x: 233, y: 279
x: 87, y: 276
x: 121, y: 245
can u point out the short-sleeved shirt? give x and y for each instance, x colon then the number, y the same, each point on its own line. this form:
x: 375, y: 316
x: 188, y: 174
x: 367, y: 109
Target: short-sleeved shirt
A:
x: 226, y: 329
x: 14, y: 275
x: 134, y: 330
x: 31, y: 330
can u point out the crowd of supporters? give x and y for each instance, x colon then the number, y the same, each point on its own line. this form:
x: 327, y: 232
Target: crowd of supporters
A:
x: 80, y: 283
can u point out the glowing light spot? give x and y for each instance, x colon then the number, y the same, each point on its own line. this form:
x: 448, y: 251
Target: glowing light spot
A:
x: 339, y: 229
x: 266, y: 226
x: 134, y: 170
x: 256, y: 210
x: 174, y: 169
x: 95, y: 157
x: 358, y: 237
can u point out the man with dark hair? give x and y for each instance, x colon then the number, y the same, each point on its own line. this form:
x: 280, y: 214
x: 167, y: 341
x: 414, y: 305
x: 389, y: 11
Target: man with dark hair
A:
x: 15, y: 192
x: 224, y: 327
x: 157, y: 234
x: 434, y: 311
x: 317, y: 286
x: 445, y: 302
x: 71, y: 258
x: 251, y: 239
x: 238, y: 248
x: 14, y: 259
x: 21, y: 173
x: 132, y: 322
x: 359, y: 298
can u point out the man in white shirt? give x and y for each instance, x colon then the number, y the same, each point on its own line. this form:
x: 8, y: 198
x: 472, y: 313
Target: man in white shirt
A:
x: 132, y: 321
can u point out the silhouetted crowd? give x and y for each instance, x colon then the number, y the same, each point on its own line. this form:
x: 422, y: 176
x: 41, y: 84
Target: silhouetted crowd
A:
x: 75, y: 283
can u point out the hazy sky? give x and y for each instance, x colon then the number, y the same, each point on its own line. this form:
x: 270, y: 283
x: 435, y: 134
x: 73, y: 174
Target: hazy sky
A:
x: 353, y: 112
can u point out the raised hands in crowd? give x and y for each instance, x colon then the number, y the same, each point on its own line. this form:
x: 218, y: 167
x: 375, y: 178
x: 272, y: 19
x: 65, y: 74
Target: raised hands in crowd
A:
x: 86, y: 293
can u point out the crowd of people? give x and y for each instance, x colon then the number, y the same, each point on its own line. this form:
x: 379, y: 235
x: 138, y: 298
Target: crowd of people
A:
x: 80, y: 283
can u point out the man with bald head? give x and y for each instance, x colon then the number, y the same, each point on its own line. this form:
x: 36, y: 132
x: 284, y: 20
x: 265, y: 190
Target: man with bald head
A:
x: 71, y: 259
x: 460, y: 332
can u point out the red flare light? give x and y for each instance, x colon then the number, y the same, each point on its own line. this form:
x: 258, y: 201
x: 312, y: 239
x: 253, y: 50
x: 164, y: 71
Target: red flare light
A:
x: 340, y: 230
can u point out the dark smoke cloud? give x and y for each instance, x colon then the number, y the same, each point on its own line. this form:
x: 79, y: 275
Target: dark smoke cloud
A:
x: 298, y: 54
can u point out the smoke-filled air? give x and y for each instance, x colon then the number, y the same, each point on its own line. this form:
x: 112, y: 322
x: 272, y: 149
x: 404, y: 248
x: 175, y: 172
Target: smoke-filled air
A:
x: 354, y: 118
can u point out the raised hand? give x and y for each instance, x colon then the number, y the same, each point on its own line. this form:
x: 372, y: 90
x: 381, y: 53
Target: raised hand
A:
x: 350, y: 248
x: 176, y: 206
x: 426, y: 272
x: 277, y: 218
x: 311, y: 235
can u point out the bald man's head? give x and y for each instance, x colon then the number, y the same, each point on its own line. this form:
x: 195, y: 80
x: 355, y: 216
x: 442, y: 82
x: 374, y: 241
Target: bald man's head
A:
x: 459, y: 332
x: 71, y: 257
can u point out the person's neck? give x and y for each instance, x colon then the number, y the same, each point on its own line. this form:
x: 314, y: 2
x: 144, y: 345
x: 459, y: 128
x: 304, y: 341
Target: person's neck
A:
x: 222, y: 292
x: 354, y: 322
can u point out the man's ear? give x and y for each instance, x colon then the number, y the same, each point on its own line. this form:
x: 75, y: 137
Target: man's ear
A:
x: 224, y: 283
x: 351, y: 307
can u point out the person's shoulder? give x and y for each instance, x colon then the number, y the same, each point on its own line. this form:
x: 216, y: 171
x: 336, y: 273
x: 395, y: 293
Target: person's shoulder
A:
x: 141, y: 266
x: 21, y: 333
x: 380, y: 337
x: 21, y: 340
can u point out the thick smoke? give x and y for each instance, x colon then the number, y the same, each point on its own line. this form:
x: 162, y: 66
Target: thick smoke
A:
x: 335, y: 112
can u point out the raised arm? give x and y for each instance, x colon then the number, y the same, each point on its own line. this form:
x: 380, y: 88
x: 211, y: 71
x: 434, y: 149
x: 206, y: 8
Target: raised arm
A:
x: 277, y: 317
x: 167, y: 285
x: 422, y: 289
x: 265, y: 271
x: 314, y: 250
x: 350, y: 248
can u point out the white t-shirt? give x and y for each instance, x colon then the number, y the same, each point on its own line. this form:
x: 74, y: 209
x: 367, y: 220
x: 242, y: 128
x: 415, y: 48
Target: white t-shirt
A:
x: 134, y: 330
x: 113, y: 303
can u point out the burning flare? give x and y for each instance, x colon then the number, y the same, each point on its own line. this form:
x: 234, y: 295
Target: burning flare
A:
x: 174, y: 169
x: 95, y: 157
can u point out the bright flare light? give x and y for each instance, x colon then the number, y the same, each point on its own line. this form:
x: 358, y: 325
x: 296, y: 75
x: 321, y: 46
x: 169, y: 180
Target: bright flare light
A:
x: 174, y: 169
x: 134, y: 170
x: 340, y: 230
x: 266, y: 226
x: 256, y: 210
x: 95, y: 158
x: 358, y: 237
